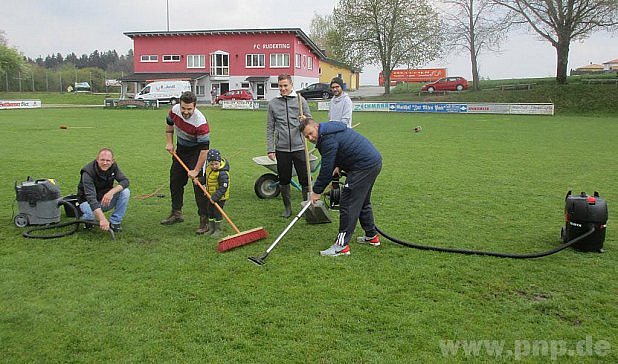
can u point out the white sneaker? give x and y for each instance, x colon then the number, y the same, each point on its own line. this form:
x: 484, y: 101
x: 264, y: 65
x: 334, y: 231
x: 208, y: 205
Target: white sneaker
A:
x: 336, y: 250
x: 374, y: 240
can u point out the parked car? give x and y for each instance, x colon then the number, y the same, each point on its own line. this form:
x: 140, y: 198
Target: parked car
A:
x: 446, y: 84
x: 234, y: 95
x: 317, y: 90
x: 164, y: 91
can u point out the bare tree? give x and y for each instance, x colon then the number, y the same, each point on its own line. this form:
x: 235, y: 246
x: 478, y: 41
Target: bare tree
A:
x: 562, y: 21
x: 476, y: 26
x: 389, y: 32
x: 325, y: 33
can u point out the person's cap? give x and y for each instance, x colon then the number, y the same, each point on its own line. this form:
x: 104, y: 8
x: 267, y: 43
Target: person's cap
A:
x: 213, y: 155
x: 338, y: 81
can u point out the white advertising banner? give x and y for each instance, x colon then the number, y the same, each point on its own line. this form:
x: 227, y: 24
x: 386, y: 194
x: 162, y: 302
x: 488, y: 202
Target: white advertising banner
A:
x: 239, y: 104
x: 449, y: 107
x: 532, y: 109
x: 20, y: 104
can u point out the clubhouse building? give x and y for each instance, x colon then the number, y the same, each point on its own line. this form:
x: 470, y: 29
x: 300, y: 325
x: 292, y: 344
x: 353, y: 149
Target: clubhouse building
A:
x: 248, y: 59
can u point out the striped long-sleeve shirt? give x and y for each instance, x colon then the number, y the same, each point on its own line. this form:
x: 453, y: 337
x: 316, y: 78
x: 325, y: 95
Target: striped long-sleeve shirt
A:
x: 193, y: 132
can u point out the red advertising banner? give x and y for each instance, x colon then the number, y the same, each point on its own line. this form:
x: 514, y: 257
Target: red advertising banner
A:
x: 414, y: 75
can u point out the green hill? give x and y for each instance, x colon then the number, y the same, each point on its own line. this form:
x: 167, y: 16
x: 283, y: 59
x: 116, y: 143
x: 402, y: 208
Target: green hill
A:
x: 580, y: 96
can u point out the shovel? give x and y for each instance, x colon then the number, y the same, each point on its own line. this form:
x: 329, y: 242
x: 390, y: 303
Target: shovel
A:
x: 317, y: 213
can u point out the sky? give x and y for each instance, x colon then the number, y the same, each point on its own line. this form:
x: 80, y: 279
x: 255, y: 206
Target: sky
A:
x: 41, y: 28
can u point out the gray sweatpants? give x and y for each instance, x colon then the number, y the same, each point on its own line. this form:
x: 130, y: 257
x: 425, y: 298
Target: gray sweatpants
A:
x: 355, y: 204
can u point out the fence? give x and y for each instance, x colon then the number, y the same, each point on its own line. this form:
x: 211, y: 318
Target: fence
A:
x: 44, y: 80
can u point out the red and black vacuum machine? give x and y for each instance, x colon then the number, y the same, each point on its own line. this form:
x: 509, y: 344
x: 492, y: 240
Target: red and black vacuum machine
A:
x: 583, y: 213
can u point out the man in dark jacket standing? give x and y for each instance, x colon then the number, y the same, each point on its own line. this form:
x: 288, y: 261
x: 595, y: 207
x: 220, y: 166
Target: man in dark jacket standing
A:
x: 96, y: 191
x: 284, y: 140
x: 344, y: 149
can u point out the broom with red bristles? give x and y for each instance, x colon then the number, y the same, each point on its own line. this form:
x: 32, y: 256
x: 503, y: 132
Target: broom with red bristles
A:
x: 232, y: 241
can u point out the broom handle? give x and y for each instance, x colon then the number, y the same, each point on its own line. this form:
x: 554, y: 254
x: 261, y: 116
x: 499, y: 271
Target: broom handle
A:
x: 307, y: 161
x: 206, y: 193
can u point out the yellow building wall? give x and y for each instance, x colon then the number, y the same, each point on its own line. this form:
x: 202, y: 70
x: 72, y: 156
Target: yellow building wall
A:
x: 329, y: 71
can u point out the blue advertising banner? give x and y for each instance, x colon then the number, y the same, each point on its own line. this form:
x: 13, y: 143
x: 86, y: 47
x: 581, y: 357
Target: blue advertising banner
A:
x: 427, y: 107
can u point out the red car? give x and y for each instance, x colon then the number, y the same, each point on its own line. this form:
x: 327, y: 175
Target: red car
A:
x: 235, y: 95
x: 446, y: 84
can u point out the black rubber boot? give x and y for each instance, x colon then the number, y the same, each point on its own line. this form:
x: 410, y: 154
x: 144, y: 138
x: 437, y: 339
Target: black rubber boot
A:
x: 211, y: 227
x: 218, y: 232
x: 287, y: 202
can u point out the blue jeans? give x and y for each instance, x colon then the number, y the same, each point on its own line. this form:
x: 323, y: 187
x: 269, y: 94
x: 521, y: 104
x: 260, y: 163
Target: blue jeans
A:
x: 119, y: 203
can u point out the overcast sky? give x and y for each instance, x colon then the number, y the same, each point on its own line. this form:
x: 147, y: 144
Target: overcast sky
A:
x: 40, y: 28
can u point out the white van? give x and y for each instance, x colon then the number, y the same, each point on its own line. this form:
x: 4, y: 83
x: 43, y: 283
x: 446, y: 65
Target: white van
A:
x: 164, y: 91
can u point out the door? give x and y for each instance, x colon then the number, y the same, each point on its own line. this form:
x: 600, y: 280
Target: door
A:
x: 225, y: 87
x: 260, y: 91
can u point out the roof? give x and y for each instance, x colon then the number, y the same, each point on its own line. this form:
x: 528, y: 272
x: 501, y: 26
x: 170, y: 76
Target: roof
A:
x: 297, y: 31
x: 149, y: 77
x: 341, y: 64
x: 612, y: 61
x: 591, y: 67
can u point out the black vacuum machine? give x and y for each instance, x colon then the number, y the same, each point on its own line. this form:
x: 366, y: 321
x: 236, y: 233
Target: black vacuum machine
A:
x: 581, y: 213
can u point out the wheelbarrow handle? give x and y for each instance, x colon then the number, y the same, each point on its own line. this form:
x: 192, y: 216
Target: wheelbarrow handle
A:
x: 197, y: 182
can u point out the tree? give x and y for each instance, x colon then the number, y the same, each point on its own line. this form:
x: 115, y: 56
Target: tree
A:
x: 389, y: 32
x: 325, y: 34
x: 562, y: 21
x: 476, y: 26
x: 11, y: 61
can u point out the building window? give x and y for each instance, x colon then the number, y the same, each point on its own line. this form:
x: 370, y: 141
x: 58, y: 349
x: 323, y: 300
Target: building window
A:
x: 244, y: 85
x: 279, y: 60
x: 171, y: 58
x: 196, y: 61
x: 219, y: 64
x: 199, y: 90
x: 309, y: 63
x: 149, y: 58
x: 297, y: 60
x: 274, y: 85
x: 256, y: 61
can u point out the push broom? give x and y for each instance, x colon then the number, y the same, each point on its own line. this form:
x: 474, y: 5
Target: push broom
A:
x: 232, y: 241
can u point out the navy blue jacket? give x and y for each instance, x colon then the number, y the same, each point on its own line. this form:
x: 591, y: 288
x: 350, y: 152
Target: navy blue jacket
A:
x: 345, y: 148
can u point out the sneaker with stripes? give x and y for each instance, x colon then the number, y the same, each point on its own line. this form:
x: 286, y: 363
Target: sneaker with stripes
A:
x: 371, y: 240
x: 336, y: 250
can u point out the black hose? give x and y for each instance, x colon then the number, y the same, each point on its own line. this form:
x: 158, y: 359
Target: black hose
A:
x: 76, y: 222
x: 493, y: 254
x: 28, y: 233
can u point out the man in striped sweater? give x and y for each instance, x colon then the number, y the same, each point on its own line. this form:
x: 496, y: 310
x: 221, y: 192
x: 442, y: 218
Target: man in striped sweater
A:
x: 192, y: 143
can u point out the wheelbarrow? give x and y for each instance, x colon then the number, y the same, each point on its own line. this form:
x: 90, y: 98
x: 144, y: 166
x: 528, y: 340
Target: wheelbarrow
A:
x: 267, y: 185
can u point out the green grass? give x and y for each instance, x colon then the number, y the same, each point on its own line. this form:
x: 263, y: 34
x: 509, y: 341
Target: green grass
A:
x: 164, y: 294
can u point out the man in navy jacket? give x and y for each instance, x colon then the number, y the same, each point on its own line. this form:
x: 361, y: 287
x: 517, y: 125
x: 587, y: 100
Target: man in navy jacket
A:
x: 344, y: 149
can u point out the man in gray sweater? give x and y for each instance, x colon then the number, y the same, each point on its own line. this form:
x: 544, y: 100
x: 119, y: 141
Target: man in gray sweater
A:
x: 341, y: 105
x: 284, y: 140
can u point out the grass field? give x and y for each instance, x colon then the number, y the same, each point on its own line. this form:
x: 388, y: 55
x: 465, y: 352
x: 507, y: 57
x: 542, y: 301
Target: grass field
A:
x: 162, y: 293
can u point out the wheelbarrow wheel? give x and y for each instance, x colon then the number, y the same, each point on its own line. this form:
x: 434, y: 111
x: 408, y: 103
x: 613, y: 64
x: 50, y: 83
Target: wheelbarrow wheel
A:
x: 267, y: 186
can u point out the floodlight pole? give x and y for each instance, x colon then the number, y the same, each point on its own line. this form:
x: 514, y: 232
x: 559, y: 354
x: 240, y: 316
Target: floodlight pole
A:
x: 167, y: 6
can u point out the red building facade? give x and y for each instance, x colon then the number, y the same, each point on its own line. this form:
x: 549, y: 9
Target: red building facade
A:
x: 225, y: 59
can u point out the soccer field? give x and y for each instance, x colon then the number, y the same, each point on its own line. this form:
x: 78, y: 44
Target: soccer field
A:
x: 161, y: 293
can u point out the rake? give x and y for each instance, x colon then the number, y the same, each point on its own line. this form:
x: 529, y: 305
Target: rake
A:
x: 233, y: 241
